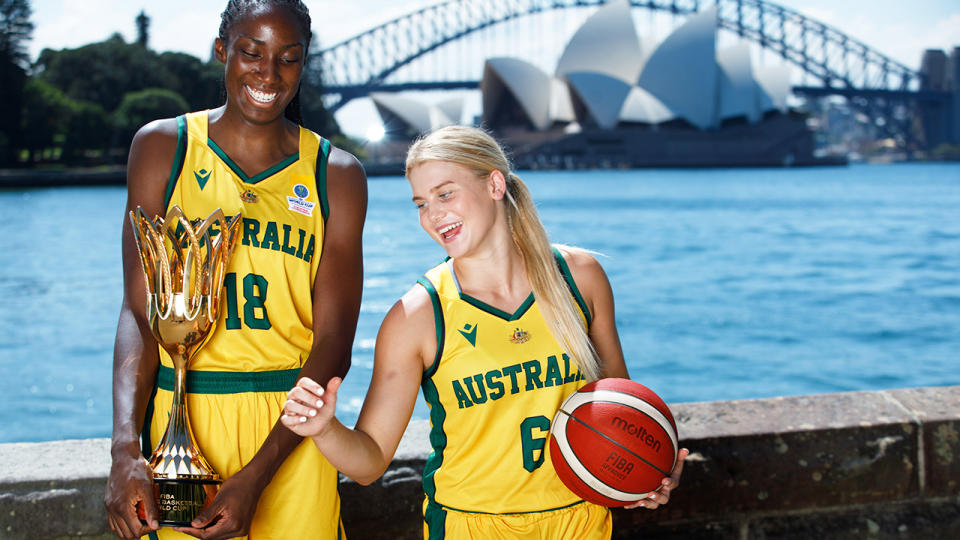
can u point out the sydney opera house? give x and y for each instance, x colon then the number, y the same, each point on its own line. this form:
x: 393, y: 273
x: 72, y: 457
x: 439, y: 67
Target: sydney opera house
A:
x: 615, y: 100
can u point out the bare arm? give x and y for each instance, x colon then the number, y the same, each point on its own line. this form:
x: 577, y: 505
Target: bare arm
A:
x: 405, y: 339
x: 593, y: 283
x: 135, y: 350
x: 595, y: 288
x: 337, y: 290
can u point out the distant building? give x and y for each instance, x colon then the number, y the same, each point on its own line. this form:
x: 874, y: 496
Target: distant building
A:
x: 940, y: 119
x: 615, y: 100
x: 608, y: 78
x: 406, y: 118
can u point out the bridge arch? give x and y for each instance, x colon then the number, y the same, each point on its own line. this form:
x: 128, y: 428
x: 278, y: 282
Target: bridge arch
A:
x: 354, y: 67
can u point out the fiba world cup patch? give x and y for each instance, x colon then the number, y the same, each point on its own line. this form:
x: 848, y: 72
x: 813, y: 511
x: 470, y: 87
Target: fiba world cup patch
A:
x: 519, y: 336
x: 298, y: 202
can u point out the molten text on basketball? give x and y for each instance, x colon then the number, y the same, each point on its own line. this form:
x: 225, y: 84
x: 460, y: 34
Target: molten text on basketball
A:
x: 635, y: 431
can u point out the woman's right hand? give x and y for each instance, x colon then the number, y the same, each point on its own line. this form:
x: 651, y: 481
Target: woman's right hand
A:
x: 309, y: 408
x: 131, y: 507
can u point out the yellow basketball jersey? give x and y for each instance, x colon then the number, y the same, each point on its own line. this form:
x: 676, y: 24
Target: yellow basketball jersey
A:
x: 238, y: 382
x: 266, y: 315
x: 494, y: 386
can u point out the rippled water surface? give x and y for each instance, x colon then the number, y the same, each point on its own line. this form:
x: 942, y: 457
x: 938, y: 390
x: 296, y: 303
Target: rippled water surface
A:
x: 729, y: 283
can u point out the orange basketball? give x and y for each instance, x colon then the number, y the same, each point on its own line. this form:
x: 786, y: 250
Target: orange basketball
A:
x: 613, y: 441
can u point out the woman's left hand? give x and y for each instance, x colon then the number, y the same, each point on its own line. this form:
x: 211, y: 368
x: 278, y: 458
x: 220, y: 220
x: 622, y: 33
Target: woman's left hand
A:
x: 230, y: 513
x: 662, y: 495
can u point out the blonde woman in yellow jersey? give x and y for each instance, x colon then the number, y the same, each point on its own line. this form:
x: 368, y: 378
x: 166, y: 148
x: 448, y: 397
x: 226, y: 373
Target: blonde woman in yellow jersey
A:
x: 479, y: 334
x: 291, y: 298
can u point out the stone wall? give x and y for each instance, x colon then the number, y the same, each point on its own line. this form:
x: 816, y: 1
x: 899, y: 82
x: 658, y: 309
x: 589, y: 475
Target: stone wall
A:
x: 851, y: 465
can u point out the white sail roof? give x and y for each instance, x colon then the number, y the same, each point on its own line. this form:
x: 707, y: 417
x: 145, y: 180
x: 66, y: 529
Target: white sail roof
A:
x: 606, y: 43
x: 682, y: 71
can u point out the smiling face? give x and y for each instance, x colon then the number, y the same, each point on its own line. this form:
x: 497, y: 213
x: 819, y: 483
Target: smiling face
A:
x: 457, y: 208
x: 264, y: 53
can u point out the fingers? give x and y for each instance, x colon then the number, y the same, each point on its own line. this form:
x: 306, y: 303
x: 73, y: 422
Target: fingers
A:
x: 125, y: 519
x: 661, y: 495
x: 151, y: 514
x: 198, y: 525
x: 307, y: 398
x: 678, y: 466
x: 213, y: 526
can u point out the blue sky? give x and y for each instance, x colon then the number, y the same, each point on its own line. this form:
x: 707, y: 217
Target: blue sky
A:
x: 893, y: 27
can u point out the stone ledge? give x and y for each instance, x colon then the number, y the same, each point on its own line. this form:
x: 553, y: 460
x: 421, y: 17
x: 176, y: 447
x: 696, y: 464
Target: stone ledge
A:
x: 858, y: 464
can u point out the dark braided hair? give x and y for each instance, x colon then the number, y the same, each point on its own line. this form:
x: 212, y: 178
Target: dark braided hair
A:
x: 238, y: 9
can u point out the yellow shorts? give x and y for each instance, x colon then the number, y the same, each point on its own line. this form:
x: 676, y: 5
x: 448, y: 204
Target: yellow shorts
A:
x: 229, y: 428
x: 583, y: 521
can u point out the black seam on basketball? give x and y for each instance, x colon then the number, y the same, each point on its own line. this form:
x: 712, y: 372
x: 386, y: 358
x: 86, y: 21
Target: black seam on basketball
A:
x: 605, y: 436
x: 641, y: 411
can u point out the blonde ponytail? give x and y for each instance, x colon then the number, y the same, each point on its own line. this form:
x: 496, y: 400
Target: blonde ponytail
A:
x: 476, y: 150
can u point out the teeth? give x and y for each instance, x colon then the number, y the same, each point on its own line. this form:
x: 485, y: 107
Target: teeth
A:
x: 262, y: 97
x: 450, y: 227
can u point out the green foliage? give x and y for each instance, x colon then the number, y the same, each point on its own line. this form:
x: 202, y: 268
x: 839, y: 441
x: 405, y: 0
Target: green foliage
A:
x: 15, y: 31
x: 102, y: 72
x: 11, y: 107
x: 89, y: 101
x: 143, y: 29
x: 44, y: 111
x: 141, y: 107
x: 201, y: 84
x: 51, y: 119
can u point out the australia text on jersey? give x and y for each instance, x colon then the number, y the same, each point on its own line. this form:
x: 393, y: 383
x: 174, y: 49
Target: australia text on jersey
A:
x: 477, y: 389
x: 296, y: 244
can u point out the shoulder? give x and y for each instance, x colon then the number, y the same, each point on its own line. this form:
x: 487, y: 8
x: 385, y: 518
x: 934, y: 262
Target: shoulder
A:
x: 152, y: 154
x: 157, y: 136
x: 583, y: 265
x: 410, y: 323
x: 413, y: 308
x: 344, y: 167
x: 346, y: 181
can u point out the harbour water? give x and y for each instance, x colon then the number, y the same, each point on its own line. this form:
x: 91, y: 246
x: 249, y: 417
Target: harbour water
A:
x: 729, y: 283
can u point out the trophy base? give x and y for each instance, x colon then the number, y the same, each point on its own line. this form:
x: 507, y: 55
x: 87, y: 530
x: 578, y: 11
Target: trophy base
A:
x: 180, y: 500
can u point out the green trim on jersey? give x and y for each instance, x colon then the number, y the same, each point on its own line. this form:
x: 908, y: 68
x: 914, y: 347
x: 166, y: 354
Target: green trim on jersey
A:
x: 438, y: 324
x: 146, y: 445
x: 322, y: 178
x: 481, y: 305
x: 438, y: 438
x: 435, y: 516
x: 178, y: 158
x: 568, y: 277
x: 231, y: 382
x: 564, y: 507
x: 242, y: 175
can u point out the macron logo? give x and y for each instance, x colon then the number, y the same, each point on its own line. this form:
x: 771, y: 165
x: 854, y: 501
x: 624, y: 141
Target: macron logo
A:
x: 202, y: 176
x: 470, y: 332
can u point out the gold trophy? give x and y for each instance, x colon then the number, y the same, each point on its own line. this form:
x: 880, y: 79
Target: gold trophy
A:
x: 183, y: 265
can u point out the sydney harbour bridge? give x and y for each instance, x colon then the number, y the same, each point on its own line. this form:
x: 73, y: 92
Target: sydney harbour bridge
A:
x: 443, y: 47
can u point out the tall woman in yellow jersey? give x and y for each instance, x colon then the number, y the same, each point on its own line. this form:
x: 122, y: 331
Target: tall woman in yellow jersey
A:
x: 291, y: 298
x: 497, y: 336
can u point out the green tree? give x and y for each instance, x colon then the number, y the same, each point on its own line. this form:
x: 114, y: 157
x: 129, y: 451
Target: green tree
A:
x: 56, y: 127
x: 15, y: 31
x: 201, y: 84
x: 102, y: 73
x: 88, y: 133
x: 45, y: 109
x: 138, y: 108
x: 143, y: 29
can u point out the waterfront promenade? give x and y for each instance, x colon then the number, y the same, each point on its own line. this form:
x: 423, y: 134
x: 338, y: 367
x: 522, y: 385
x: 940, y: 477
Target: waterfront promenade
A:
x: 874, y: 465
